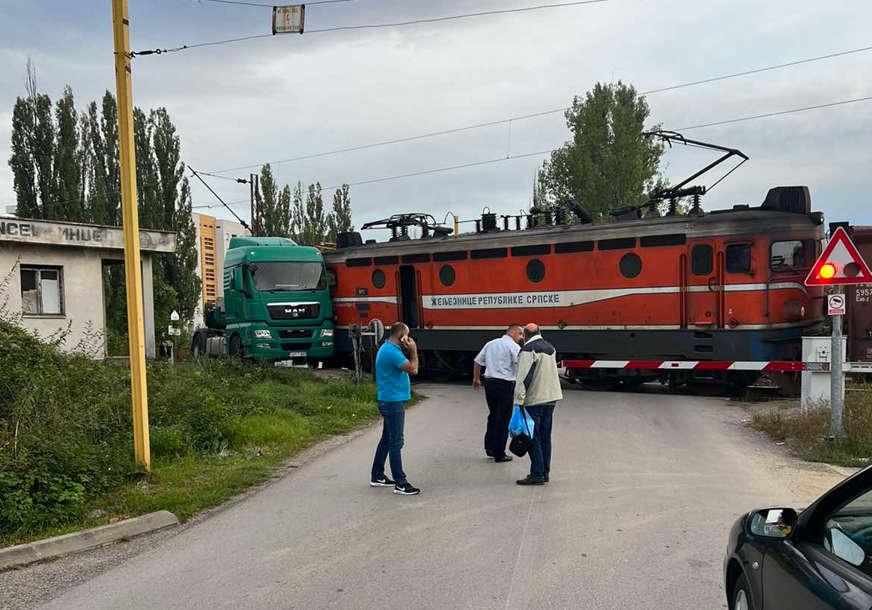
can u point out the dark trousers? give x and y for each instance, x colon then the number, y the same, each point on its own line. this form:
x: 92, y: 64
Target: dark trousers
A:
x: 540, y: 449
x: 391, y: 443
x: 500, y: 396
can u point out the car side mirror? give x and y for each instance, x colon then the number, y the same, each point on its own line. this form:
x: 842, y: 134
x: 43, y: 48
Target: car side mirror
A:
x: 773, y: 523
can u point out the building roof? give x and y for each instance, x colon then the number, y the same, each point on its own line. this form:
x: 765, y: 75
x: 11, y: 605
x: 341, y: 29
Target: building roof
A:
x: 55, y: 233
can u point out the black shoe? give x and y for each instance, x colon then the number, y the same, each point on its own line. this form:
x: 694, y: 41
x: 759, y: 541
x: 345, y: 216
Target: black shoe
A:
x: 503, y: 458
x: 406, y: 489
x: 381, y: 482
x: 531, y: 480
x: 547, y: 477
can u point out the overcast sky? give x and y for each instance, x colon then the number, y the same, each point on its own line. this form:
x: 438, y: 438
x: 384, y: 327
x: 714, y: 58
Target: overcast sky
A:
x: 286, y: 96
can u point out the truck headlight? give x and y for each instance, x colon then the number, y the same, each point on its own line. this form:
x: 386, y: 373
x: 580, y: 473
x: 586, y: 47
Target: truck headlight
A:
x: 262, y: 333
x: 326, y: 332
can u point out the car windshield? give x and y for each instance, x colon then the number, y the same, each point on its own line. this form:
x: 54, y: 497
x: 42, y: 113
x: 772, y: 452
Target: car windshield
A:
x: 280, y: 277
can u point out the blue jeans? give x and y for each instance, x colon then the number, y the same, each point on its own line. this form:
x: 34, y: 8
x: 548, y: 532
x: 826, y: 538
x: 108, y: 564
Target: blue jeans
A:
x: 540, y: 449
x: 391, y: 443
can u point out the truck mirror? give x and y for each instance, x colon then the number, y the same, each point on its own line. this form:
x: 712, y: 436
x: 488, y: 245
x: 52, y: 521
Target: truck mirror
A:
x: 236, y: 282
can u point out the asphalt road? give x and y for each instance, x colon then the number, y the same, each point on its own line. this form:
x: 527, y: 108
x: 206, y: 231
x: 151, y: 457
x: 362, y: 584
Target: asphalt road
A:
x: 644, y: 488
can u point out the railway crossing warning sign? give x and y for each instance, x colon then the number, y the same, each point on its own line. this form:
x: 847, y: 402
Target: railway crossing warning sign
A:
x: 839, y: 263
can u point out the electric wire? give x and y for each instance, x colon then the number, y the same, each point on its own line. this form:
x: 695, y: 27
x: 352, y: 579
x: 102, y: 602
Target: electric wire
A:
x: 218, y: 197
x: 260, y: 4
x: 443, y: 132
x: 777, y: 113
x: 544, y: 152
x: 369, y: 26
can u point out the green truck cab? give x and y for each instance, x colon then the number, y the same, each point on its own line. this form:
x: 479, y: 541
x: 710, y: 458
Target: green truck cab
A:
x: 276, y: 304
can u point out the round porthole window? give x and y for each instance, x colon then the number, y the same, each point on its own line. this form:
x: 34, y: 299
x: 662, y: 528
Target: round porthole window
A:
x: 631, y: 265
x: 446, y: 275
x: 378, y: 278
x: 535, y: 270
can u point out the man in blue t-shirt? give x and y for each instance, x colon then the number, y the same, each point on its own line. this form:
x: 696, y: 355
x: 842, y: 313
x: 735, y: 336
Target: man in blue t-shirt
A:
x: 392, y: 369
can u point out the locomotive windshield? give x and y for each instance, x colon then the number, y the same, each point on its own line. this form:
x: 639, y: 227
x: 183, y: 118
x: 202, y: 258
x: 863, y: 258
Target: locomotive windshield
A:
x: 280, y: 277
x: 791, y: 255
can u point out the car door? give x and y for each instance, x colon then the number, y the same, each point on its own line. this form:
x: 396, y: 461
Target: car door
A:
x: 828, y: 563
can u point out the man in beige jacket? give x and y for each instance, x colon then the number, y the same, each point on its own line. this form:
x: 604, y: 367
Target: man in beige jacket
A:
x: 537, y: 389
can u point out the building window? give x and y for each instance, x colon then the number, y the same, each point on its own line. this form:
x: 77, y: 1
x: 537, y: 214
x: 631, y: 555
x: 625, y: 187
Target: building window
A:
x: 631, y: 265
x: 378, y: 278
x: 701, y: 259
x: 42, y: 291
x: 535, y: 270
x: 739, y: 258
x: 446, y: 275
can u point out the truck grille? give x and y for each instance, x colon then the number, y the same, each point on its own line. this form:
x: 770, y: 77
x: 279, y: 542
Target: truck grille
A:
x: 295, y: 334
x: 297, y: 347
x: 293, y: 311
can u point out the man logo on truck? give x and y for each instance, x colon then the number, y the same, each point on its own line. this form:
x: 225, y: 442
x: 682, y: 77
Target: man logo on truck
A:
x: 295, y: 311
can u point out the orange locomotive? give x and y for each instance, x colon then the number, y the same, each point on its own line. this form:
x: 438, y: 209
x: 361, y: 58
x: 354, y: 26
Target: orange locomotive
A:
x: 722, y: 285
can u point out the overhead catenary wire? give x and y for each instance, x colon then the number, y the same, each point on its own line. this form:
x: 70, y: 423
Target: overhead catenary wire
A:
x: 544, y: 152
x: 369, y: 26
x: 262, y: 5
x: 494, y: 123
x: 218, y: 197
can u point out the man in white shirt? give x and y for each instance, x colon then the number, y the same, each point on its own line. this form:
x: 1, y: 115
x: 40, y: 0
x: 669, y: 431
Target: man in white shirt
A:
x: 499, y: 358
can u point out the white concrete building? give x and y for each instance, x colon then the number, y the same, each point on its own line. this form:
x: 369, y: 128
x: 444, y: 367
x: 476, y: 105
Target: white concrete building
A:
x: 51, y: 278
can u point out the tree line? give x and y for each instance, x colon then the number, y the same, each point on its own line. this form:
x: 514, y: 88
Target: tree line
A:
x: 65, y: 166
x: 298, y: 214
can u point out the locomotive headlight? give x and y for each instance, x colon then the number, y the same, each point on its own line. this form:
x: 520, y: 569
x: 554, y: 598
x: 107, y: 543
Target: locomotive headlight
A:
x: 794, y: 310
x: 326, y: 332
x: 262, y: 333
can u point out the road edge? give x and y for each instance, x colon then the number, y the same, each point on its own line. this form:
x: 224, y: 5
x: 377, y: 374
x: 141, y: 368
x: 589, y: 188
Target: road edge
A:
x: 58, y: 546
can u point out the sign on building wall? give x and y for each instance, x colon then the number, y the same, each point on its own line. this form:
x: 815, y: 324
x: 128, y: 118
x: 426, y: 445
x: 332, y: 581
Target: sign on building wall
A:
x: 66, y: 234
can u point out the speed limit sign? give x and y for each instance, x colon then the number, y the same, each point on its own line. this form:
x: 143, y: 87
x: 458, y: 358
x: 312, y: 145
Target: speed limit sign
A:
x: 836, y: 305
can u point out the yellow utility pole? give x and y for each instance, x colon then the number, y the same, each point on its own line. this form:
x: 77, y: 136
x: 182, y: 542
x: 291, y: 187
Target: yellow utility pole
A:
x: 130, y: 223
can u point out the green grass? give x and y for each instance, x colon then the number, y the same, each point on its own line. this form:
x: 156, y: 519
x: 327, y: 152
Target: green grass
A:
x: 217, y: 427
x: 806, y: 430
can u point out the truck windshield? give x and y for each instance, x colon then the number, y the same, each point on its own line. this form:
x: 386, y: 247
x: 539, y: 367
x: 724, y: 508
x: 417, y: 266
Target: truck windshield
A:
x: 279, y: 277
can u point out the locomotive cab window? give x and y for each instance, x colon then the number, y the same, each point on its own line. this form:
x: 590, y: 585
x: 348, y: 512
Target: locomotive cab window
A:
x: 738, y: 258
x: 701, y: 259
x: 791, y: 255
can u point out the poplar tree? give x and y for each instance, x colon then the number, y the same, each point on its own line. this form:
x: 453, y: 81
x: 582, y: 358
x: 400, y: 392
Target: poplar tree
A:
x: 315, y: 220
x: 67, y: 166
x: 339, y: 220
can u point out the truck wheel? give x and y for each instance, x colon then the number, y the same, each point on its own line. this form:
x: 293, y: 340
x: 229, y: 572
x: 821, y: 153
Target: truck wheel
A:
x: 236, y: 349
x: 198, y: 345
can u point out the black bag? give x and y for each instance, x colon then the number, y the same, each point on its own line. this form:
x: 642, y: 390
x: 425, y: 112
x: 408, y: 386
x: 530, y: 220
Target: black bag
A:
x: 522, y: 442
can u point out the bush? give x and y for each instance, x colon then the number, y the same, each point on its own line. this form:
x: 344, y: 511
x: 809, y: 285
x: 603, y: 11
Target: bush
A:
x: 65, y: 426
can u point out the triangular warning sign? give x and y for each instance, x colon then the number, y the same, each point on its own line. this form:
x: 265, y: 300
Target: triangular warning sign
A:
x: 839, y: 263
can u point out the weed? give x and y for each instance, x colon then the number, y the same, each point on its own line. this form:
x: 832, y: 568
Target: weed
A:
x: 807, y: 430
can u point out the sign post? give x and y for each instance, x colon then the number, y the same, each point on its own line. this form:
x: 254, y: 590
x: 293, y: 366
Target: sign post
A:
x: 837, y: 376
x: 839, y: 264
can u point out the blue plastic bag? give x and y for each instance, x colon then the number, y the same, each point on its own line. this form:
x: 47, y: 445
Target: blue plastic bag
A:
x: 521, y: 422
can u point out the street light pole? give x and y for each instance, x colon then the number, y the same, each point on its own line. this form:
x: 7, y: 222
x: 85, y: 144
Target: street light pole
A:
x: 130, y: 224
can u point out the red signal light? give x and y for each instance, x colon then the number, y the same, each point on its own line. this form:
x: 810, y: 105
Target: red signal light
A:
x: 828, y: 271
